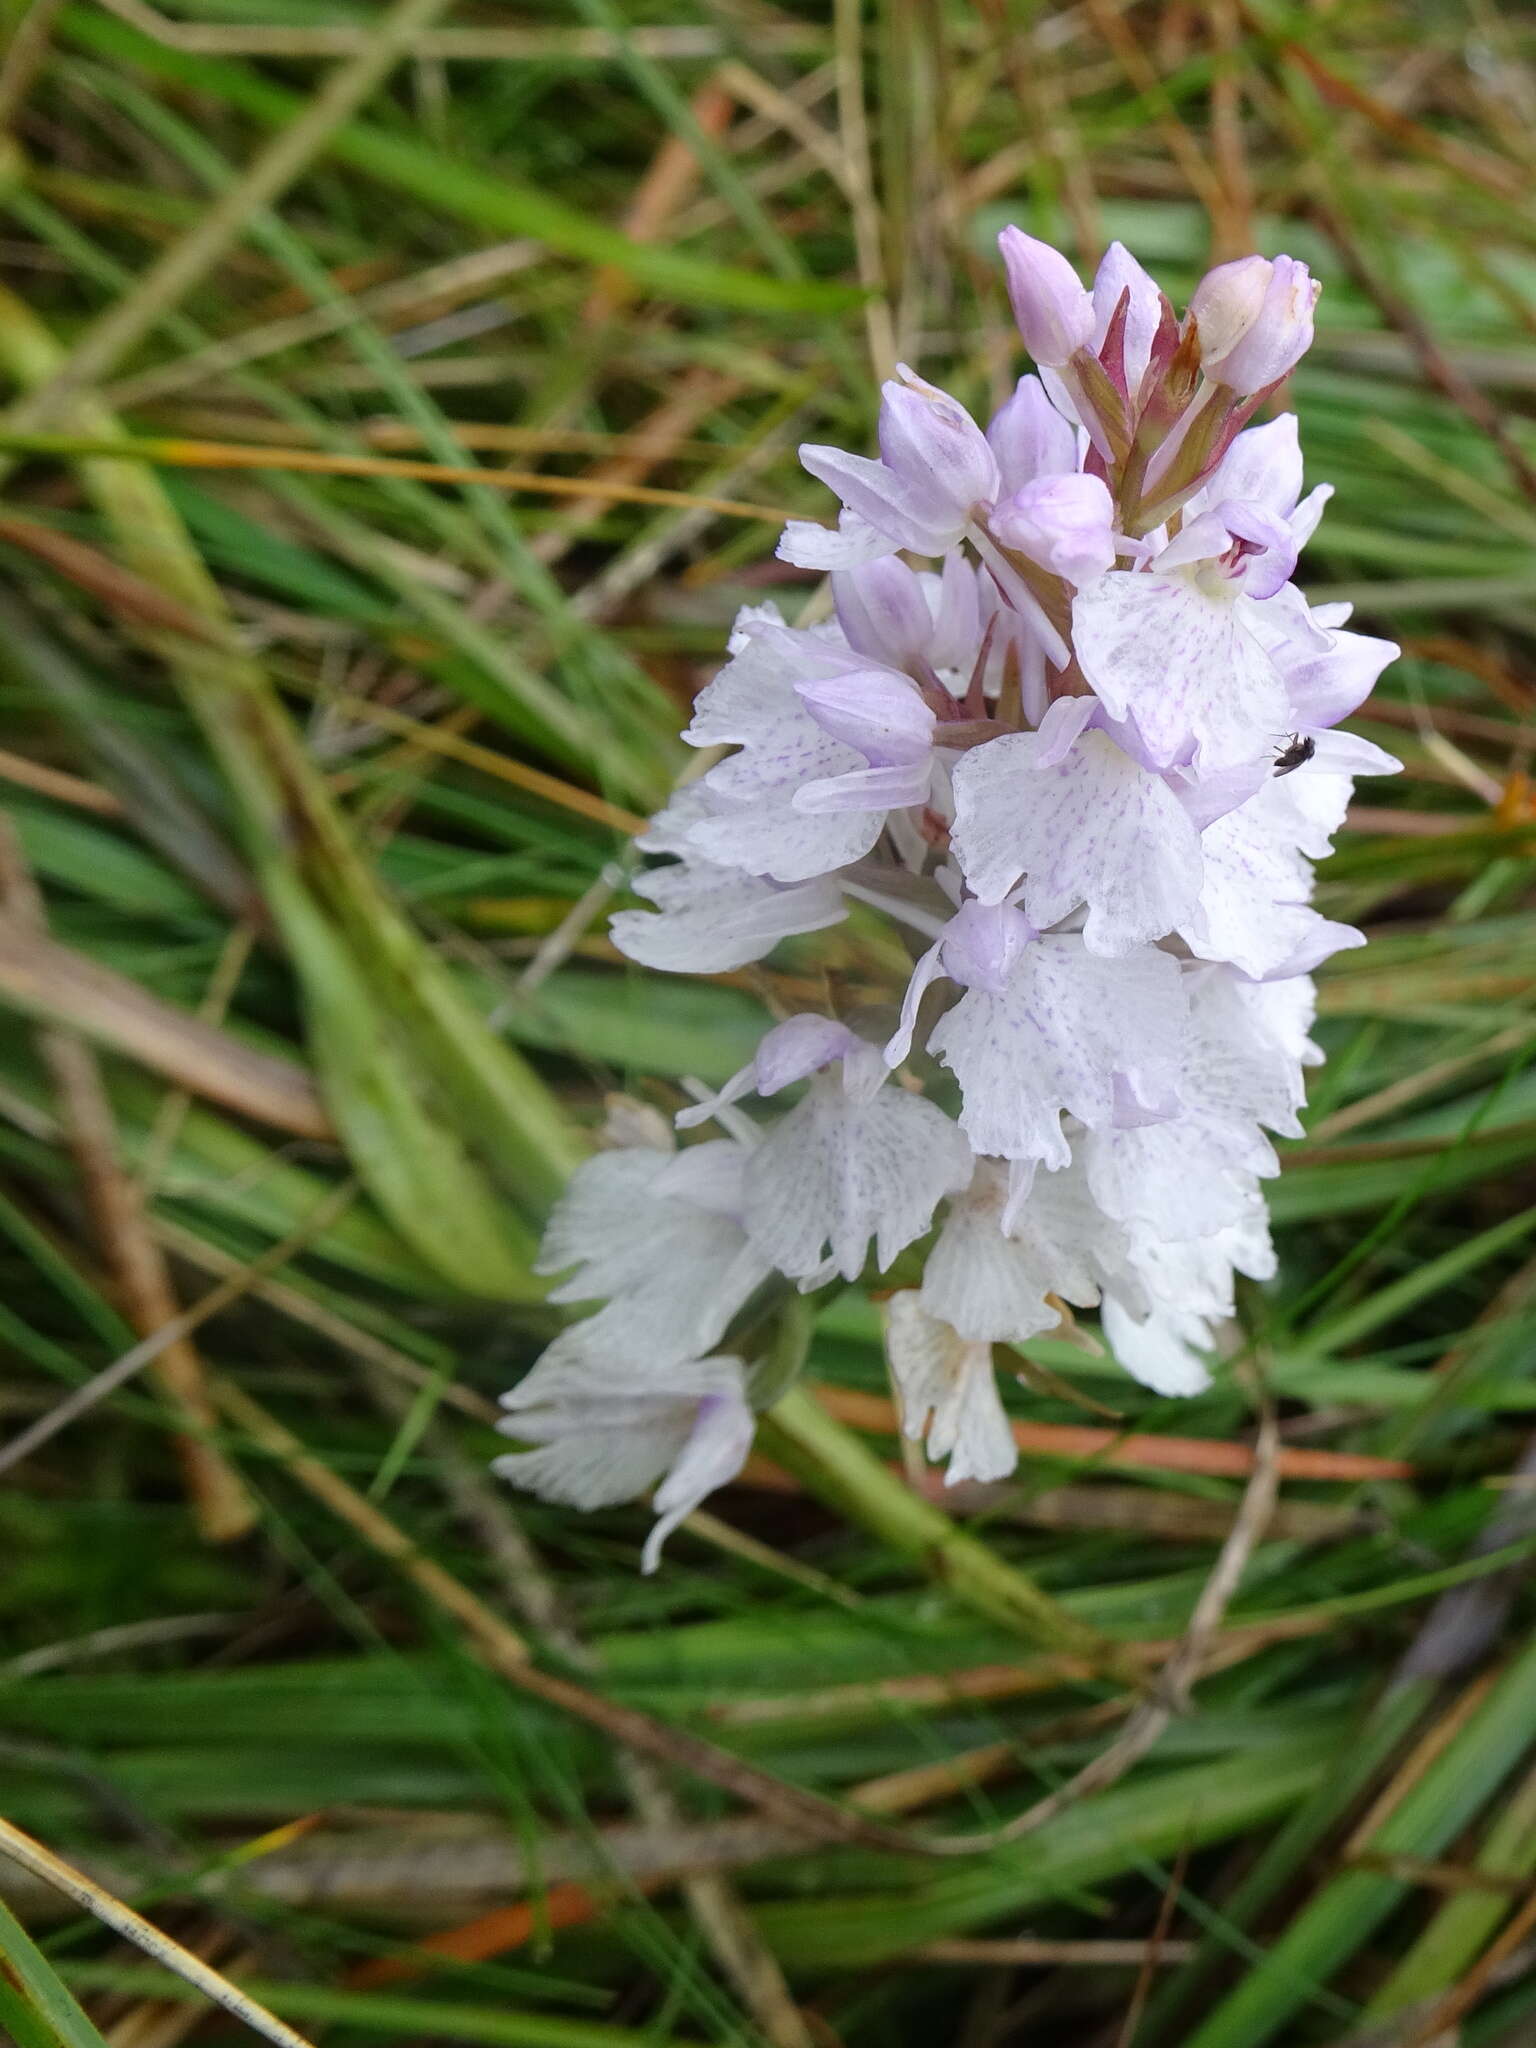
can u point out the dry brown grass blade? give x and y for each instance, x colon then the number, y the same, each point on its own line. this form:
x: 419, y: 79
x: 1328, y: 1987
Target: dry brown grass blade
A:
x: 1114, y: 1448
x: 221, y: 1506
x: 129, y: 596
x: 59, y: 784
x: 172, y: 452
x: 42, y: 1863
x: 84, y: 1398
x: 55, y: 985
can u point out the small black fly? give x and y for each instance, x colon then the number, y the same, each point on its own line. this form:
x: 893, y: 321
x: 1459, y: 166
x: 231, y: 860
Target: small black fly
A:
x: 1295, y: 753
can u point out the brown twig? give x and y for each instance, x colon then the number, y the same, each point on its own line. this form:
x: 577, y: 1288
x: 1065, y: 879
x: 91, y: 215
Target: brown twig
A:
x: 1435, y: 365
x: 1150, y: 1719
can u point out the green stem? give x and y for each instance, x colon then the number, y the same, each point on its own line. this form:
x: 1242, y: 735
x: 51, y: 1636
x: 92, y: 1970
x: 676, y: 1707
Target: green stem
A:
x: 840, y: 1470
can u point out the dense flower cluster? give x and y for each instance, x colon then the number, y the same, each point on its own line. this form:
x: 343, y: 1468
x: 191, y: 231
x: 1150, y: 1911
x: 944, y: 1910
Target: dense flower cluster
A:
x: 1085, y: 764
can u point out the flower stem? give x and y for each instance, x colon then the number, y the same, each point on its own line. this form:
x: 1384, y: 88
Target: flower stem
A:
x: 838, y: 1468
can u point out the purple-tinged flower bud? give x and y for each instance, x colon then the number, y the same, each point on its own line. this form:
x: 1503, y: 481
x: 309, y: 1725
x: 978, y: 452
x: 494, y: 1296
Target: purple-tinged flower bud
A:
x: 1054, y: 311
x: 797, y: 1048
x: 1030, y: 437
x: 931, y: 442
x: 1255, y: 320
x: 1065, y: 523
x: 983, y: 944
x: 883, y: 611
x: 1226, y: 303
x: 1117, y: 274
x: 874, y: 710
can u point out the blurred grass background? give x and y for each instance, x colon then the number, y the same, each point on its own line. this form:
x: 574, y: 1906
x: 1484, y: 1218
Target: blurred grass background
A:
x: 463, y: 352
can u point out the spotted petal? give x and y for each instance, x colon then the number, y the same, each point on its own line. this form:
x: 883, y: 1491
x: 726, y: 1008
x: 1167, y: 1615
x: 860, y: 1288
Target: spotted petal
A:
x: 753, y: 822
x: 1064, y: 1027
x: 1181, y: 664
x: 712, y: 920
x: 837, y: 1172
x: 948, y: 1393
x: 1092, y: 828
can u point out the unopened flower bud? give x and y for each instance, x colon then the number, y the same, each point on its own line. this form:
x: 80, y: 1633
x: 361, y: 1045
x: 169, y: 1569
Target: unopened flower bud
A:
x: 1065, y: 523
x: 1050, y: 304
x: 1030, y: 437
x: 931, y: 443
x: 1254, y: 319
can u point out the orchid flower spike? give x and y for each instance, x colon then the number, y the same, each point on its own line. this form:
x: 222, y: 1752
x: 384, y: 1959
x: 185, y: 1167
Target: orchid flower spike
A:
x: 1078, y: 762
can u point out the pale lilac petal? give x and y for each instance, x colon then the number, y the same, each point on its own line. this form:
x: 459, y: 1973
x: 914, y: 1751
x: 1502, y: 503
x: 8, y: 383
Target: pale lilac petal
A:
x: 866, y: 790
x: 1057, y: 729
x: 1162, y: 1351
x: 875, y: 710
x: 837, y: 1172
x: 983, y: 944
x: 1201, y: 538
x: 1119, y: 272
x: 853, y: 541
x: 715, y: 1451
x: 1030, y: 438
x: 937, y: 450
x: 752, y: 822
x: 883, y: 611
x: 673, y: 1271
x: 1330, y: 683
x: 1347, y: 753
x: 1262, y: 467
x: 1093, y: 829
x: 711, y: 920
x: 1253, y: 898
x: 588, y: 1466
x: 796, y: 1049
x: 1053, y: 311
x: 948, y: 1393
x: 921, y: 519
x: 1055, y: 1041
x: 1192, y: 1175
x: 956, y: 604
x: 1209, y: 796
x: 602, y: 1438
x: 1270, y: 555
x: 1182, y: 666
x: 1063, y: 523
x: 928, y: 969
x: 1307, y: 517
x: 987, y: 1285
